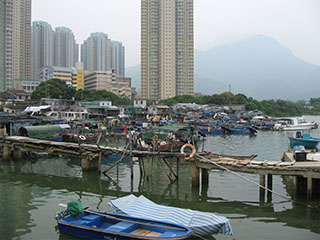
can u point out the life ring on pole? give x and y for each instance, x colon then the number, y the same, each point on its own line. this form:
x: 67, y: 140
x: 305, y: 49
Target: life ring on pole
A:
x: 188, y: 156
x: 83, y: 138
x: 155, y: 138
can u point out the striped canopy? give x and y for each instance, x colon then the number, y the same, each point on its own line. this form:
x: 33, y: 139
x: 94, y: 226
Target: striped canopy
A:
x: 201, y: 223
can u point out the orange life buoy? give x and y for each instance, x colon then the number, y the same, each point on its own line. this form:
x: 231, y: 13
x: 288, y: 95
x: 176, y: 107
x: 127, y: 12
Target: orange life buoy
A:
x: 193, y: 151
x: 155, y: 138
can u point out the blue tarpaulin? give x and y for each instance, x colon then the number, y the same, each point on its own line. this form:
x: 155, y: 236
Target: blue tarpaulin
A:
x: 201, y: 223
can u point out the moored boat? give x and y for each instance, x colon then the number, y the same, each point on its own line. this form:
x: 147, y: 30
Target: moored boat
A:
x: 304, y: 140
x: 294, y: 124
x: 76, y: 138
x: 90, y: 224
x: 201, y: 223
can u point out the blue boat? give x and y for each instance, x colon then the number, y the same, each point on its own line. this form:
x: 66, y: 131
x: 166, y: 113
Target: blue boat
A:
x: 239, y: 129
x: 201, y: 223
x: 304, y: 140
x: 101, y: 225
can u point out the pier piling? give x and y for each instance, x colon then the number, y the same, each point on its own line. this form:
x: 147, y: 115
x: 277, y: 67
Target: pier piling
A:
x: 6, y: 152
x: 309, y: 187
x: 17, y: 154
x: 91, y: 163
x: 262, y: 190
x: 195, y: 176
x: 269, y: 186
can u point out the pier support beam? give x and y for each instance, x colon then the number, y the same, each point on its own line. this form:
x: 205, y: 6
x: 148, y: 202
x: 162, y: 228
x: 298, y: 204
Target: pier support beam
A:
x: 262, y: 190
x: 195, y: 181
x: 204, y: 183
x: 309, y: 187
x: 91, y: 163
x: 269, y: 186
x: 195, y: 176
x: 17, y: 154
x: 6, y: 152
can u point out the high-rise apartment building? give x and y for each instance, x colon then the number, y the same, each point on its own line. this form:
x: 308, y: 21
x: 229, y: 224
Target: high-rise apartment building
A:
x: 96, y: 53
x: 42, y: 47
x: 52, y: 48
x: 15, y: 42
x: 117, y: 58
x: 99, y: 53
x: 166, y: 48
x: 65, y: 48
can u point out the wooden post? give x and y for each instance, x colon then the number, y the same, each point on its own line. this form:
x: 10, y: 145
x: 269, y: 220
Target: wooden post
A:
x: 131, y: 160
x: 262, y: 190
x: 6, y: 152
x: 269, y: 186
x: 11, y: 129
x: 195, y: 176
x: 90, y: 163
x: 309, y: 187
x: 100, y: 153
x: 99, y: 162
x: 178, y: 167
x: 17, y: 154
x: 195, y: 182
x: 147, y: 165
x: 204, y: 183
x: 140, y: 166
x: 170, y: 167
x: 203, y: 144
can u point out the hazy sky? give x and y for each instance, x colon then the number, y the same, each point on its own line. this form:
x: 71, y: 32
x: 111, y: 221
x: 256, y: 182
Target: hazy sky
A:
x: 293, y: 23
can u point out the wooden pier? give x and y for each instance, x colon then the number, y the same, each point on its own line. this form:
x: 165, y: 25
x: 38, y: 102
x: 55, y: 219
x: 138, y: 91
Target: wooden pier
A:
x: 91, y: 155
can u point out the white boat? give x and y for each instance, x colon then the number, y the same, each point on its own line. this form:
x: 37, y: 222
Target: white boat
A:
x: 294, y: 124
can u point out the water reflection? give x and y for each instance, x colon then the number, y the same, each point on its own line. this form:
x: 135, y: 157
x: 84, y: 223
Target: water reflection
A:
x: 30, y: 192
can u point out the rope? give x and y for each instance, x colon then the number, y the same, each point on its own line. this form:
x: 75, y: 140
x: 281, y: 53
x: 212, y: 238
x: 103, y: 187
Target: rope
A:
x: 249, y: 180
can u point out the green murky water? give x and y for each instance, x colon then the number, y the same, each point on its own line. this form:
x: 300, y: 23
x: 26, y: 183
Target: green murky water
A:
x: 30, y: 191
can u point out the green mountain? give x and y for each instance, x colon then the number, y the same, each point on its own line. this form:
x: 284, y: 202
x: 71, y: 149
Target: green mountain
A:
x: 258, y: 67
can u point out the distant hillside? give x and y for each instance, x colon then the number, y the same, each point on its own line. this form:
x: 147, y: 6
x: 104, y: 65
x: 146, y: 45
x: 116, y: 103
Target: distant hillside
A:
x: 135, y: 74
x: 259, y: 67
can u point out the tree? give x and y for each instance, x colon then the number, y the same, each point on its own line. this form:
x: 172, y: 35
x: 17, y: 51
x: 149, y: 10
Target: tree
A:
x: 92, y: 95
x: 241, y: 98
x: 314, y: 101
x: 53, y: 88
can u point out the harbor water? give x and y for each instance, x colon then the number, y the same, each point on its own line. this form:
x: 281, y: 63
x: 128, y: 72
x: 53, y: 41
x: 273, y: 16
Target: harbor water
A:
x: 32, y: 189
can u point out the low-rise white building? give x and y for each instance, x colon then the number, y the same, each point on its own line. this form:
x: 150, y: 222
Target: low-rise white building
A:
x: 144, y: 102
x: 159, y: 110
x: 107, y: 80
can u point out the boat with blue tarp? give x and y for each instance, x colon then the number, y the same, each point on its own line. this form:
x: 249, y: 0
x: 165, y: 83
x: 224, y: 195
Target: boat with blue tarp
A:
x: 90, y: 224
x: 201, y: 223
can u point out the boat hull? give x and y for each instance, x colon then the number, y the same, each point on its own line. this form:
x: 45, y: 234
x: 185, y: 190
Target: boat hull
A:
x: 307, y: 143
x: 111, y: 226
x: 298, y: 127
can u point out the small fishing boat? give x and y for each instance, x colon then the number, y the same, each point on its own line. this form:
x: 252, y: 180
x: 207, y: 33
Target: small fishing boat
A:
x: 201, y: 223
x: 90, y: 224
x: 84, y: 138
x: 239, y: 129
x: 304, y: 140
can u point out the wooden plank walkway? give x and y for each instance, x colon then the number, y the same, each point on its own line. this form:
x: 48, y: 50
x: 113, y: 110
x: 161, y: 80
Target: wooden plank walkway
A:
x: 304, y: 169
x: 308, y: 169
x: 91, y: 160
x: 75, y: 148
